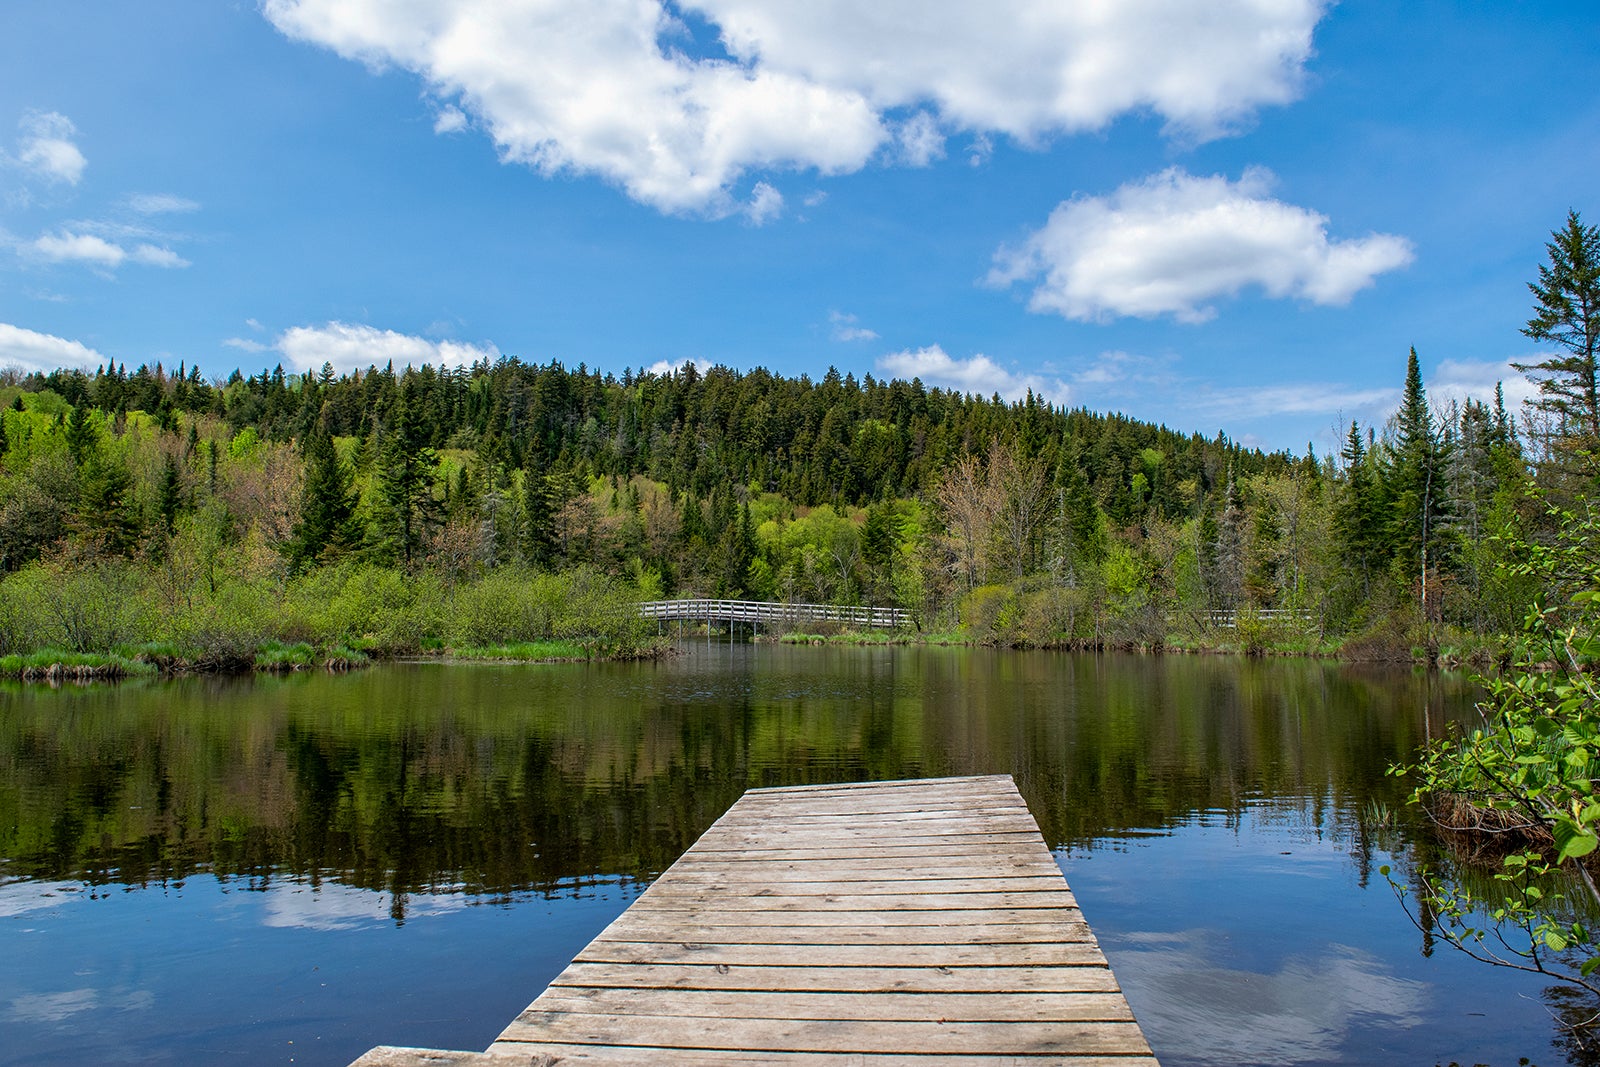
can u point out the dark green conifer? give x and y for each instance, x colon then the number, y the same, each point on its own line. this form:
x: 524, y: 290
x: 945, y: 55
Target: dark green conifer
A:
x: 169, y: 495
x: 327, y: 505
x: 1417, y: 484
x: 83, y: 436
x: 538, y: 519
x: 1567, y: 313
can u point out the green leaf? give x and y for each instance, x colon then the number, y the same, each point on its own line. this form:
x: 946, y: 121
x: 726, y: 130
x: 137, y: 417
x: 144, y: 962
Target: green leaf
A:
x: 1590, y: 965
x: 1573, y: 841
x: 1556, y: 942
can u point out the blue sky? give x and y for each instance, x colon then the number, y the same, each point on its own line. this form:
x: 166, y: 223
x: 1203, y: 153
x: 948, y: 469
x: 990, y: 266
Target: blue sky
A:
x: 1234, y: 215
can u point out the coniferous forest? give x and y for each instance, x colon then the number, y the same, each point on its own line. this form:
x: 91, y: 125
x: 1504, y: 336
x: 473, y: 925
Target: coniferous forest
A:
x: 217, y: 523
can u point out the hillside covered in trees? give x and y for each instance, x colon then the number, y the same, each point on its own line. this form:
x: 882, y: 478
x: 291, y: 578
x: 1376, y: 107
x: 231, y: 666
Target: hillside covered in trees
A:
x: 1022, y: 522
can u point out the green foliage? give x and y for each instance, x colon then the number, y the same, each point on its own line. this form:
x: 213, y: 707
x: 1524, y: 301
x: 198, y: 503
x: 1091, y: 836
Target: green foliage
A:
x: 89, y: 606
x: 1528, y: 773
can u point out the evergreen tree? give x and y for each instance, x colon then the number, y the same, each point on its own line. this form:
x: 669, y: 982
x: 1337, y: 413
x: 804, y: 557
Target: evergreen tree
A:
x: 169, y: 495
x: 878, y: 551
x: 403, y: 478
x: 106, y: 513
x: 1083, y: 544
x: 738, y: 550
x: 1358, y: 515
x: 1417, y: 485
x: 538, y: 519
x: 83, y: 436
x: 327, y: 504
x: 1567, y: 313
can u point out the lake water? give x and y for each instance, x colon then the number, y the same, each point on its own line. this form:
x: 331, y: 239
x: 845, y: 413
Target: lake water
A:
x: 292, y: 870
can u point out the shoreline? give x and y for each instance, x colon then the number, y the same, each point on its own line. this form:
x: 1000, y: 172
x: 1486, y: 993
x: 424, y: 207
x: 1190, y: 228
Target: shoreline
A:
x: 54, y: 666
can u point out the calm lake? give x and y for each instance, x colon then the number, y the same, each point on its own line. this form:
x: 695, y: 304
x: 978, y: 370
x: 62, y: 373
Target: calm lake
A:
x: 292, y: 870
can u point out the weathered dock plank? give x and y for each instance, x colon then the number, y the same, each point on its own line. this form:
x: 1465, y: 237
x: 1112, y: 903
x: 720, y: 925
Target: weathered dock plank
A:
x: 890, y: 923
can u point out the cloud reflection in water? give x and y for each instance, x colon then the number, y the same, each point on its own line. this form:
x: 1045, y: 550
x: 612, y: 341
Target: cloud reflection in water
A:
x: 1299, y: 1014
x: 333, y: 906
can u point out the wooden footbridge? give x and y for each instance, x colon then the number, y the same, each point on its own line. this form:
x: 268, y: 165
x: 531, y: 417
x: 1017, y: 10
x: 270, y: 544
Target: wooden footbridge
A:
x: 897, y: 923
x: 757, y: 612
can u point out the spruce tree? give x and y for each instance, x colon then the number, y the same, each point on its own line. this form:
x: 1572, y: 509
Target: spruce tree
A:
x: 1417, y: 484
x: 1567, y: 313
x: 538, y: 519
x: 1358, y: 511
x: 403, y: 478
x: 877, y: 550
x: 169, y: 496
x: 83, y: 436
x: 106, y: 513
x: 327, y: 504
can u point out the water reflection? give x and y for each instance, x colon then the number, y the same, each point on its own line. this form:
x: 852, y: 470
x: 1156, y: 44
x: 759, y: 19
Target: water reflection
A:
x: 1301, y: 1012
x: 477, y: 824
x: 425, y: 779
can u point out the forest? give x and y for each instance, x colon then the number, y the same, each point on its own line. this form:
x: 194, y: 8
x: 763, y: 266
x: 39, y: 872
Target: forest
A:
x: 195, y: 522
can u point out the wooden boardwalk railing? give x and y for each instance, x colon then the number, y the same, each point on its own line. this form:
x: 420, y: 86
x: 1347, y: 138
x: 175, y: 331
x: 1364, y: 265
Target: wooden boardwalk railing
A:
x: 896, y: 923
x: 757, y: 611
x: 1228, y: 619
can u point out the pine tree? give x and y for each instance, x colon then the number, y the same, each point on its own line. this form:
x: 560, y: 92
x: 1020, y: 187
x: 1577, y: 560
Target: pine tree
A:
x: 538, y: 519
x: 403, y: 478
x: 878, y: 550
x: 106, y: 513
x: 327, y: 504
x: 1083, y: 544
x: 1567, y: 313
x: 83, y: 436
x: 1358, y: 511
x: 1417, y: 485
x: 169, y: 495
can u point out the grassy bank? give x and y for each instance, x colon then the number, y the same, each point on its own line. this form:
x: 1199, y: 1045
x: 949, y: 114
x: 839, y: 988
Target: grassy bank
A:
x: 57, y: 665
x: 240, y: 612
x: 1390, y: 641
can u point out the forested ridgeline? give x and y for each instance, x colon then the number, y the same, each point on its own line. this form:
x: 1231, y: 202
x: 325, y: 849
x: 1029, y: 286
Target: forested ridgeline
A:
x: 1042, y: 524
x: 365, y: 510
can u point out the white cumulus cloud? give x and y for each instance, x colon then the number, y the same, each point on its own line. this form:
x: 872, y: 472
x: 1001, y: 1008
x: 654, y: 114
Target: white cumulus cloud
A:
x: 610, y: 87
x: 350, y: 346
x: 46, y: 147
x: 29, y: 350
x: 1028, y: 68
x: 1170, y: 244
x: 978, y: 376
x: 67, y: 246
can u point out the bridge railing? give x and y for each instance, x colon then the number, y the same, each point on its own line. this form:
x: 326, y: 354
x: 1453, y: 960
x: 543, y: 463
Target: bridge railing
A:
x: 757, y: 611
x: 1229, y: 619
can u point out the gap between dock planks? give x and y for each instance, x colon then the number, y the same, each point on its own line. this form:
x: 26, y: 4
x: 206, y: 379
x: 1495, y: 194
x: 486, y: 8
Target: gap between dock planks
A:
x: 894, y: 923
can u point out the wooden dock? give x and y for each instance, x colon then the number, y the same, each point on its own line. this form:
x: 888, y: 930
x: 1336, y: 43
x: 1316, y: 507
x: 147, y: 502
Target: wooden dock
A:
x: 900, y: 923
